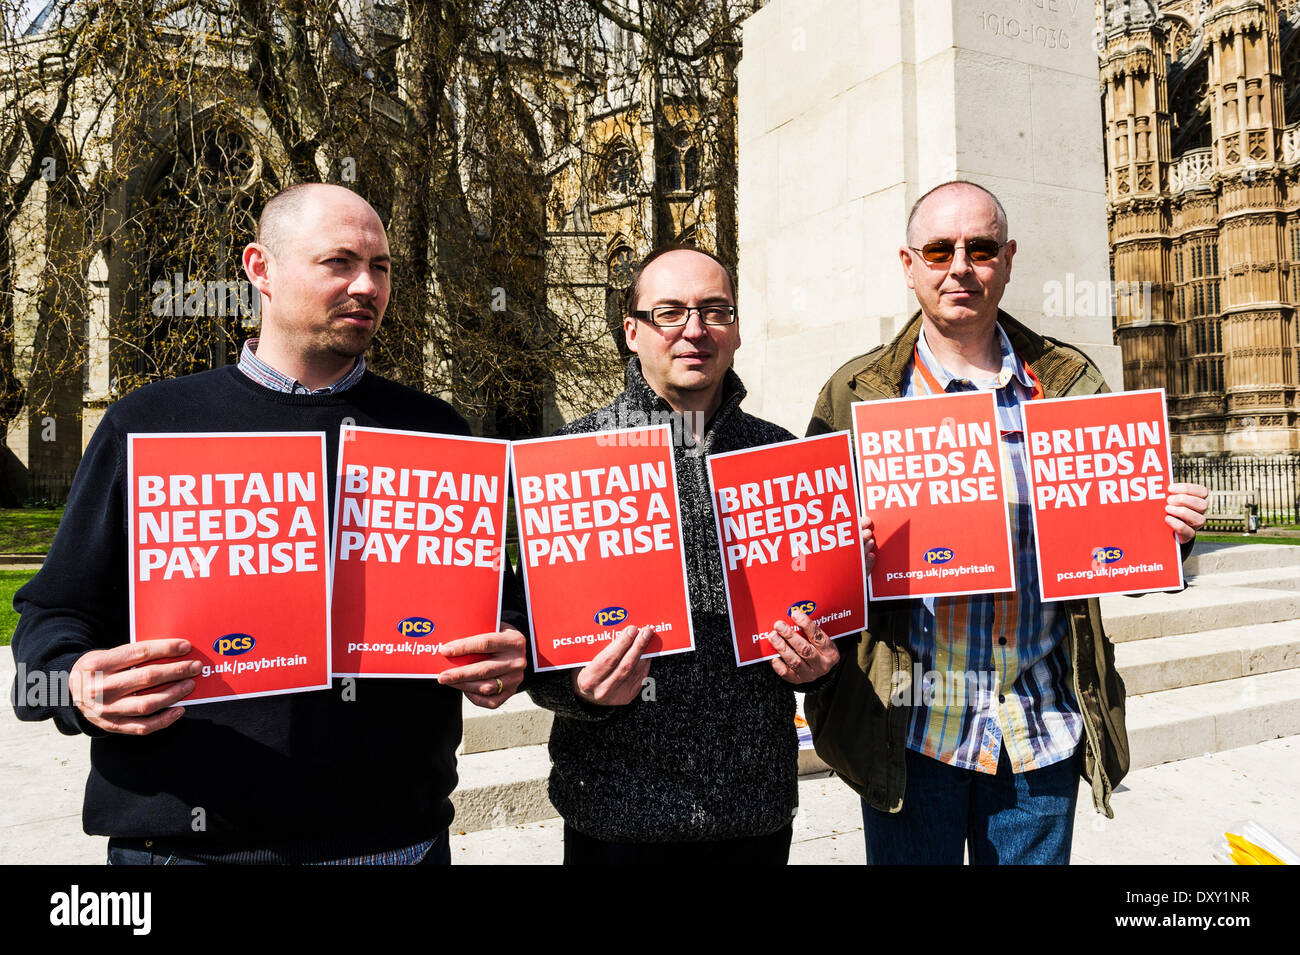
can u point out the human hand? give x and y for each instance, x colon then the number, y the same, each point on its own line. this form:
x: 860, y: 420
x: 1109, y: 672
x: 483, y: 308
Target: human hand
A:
x: 1185, y: 509
x: 487, y: 683
x: 804, y: 656
x: 868, y: 531
x: 616, y: 675
x: 122, y: 689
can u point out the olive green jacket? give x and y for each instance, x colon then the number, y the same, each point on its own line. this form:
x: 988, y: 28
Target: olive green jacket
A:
x: 856, y: 727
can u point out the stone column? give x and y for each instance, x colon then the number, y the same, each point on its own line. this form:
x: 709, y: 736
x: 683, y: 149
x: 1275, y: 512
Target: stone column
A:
x: 849, y: 111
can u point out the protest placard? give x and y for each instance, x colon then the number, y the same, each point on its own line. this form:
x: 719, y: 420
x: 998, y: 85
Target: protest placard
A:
x: 418, y: 542
x: 228, y: 549
x: 1099, y: 473
x: 931, y: 473
x: 787, y: 522
x: 600, y: 542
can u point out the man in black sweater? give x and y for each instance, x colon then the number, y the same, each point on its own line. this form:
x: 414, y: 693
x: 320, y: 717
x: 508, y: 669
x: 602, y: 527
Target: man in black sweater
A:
x: 704, y: 768
x: 355, y: 774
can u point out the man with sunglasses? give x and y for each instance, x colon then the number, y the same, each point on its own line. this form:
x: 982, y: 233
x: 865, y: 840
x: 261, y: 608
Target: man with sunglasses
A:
x: 994, y: 775
x: 684, y: 758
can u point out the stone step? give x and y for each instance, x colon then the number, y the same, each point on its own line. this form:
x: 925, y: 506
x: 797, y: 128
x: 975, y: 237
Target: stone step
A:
x: 1194, y: 720
x: 507, y: 787
x: 1274, y: 578
x: 503, y: 787
x: 1219, y: 558
x: 519, y: 722
x: 1200, y: 607
x: 1191, y: 659
x: 810, y: 764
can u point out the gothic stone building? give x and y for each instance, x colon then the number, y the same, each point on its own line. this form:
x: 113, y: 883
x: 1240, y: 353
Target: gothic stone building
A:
x: 1202, y: 112
x: 618, y: 175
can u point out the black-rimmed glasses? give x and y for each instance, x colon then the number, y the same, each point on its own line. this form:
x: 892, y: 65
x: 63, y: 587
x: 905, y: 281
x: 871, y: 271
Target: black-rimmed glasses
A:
x: 667, y: 316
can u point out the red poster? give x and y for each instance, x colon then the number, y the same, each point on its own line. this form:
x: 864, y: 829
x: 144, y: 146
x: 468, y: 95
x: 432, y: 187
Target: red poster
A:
x: 229, y: 549
x: 931, y: 472
x: 418, y: 539
x: 787, y: 522
x: 1099, y: 468
x: 600, y: 541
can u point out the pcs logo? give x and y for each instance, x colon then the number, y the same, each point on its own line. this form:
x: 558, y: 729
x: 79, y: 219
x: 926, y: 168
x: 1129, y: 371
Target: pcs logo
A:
x: 610, y: 615
x: 807, y: 606
x: 1106, y: 555
x: 938, y: 555
x: 233, y: 644
x: 415, y: 627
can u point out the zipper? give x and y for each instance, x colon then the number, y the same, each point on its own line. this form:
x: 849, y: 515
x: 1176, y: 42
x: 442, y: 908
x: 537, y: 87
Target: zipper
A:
x: 1083, y: 711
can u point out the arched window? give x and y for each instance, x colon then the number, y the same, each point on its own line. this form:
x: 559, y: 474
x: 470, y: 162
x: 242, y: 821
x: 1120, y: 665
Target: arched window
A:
x: 1191, y: 109
x: 1291, y: 79
x: 620, y: 169
x: 619, y: 277
x: 1180, y: 38
x: 620, y: 267
x: 682, y: 169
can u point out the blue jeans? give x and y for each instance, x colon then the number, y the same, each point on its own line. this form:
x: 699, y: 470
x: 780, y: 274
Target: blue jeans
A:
x: 1007, y: 818
x: 142, y: 852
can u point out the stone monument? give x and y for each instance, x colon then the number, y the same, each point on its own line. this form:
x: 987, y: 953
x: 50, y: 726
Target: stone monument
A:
x: 849, y: 111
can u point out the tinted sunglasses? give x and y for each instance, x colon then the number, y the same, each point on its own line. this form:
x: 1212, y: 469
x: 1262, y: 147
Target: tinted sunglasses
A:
x: 941, y: 251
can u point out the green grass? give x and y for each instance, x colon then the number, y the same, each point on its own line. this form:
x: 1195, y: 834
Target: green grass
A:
x: 10, y: 581
x: 28, y: 530
x: 1245, y: 539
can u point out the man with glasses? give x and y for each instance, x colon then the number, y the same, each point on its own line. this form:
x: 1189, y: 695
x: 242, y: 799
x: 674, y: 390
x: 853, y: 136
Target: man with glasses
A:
x: 995, y: 774
x: 685, y: 757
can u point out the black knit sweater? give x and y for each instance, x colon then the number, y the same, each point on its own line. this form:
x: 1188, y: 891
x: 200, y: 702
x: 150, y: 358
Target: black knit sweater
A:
x: 293, y: 778
x: 713, y: 754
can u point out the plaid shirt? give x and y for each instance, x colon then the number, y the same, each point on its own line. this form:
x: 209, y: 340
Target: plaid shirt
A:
x: 268, y: 377
x: 995, y: 671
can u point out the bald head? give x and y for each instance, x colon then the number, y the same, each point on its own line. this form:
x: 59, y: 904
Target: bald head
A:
x: 290, y: 212
x: 957, y: 185
x: 321, y: 268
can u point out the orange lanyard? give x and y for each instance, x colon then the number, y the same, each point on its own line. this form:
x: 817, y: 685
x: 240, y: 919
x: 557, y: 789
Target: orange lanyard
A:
x: 936, y: 389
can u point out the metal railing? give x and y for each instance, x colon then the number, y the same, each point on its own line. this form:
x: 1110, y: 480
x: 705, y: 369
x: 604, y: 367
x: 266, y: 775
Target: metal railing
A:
x: 1275, y: 482
x: 47, y: 488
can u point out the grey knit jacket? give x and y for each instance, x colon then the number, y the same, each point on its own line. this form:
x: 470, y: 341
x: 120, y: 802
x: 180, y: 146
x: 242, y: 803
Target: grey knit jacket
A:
x: 708, y: 750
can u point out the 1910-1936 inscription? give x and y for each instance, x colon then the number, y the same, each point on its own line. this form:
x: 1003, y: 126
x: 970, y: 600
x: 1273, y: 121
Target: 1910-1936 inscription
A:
x: 1040, y: 23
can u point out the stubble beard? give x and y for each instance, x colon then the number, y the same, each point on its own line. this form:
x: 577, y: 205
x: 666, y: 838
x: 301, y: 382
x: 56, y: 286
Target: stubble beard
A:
x: 341, y: 343
x: 348, y: 345
x: 344, y: 340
